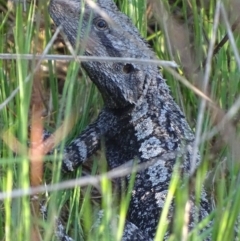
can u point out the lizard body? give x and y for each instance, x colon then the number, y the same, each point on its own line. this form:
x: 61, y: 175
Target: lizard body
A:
x: 140, y: 120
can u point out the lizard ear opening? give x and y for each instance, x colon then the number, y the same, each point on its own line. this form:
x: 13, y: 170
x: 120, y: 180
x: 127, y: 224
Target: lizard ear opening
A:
x: 128, y: 68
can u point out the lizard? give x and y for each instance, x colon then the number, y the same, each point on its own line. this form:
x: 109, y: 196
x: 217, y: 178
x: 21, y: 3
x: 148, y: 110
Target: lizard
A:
x: 140, y: 119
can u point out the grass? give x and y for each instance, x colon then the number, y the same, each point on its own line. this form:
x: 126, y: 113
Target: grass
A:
x: 68, y: 93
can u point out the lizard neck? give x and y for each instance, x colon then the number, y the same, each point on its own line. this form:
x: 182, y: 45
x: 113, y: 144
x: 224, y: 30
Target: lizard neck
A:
x: 160, y: 126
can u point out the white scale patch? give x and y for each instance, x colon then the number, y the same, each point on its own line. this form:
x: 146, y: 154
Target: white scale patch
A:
x: 69, y: 156
x: 160, y: 198
x: 139, y: 112
x: 82, y: 148
x: 68, y: 163
x: 171, y: 145
x: 162, y: 117
x: 60, y: 231
x: 151, y: 148
x: 158, y: 173
x: 144, y: 128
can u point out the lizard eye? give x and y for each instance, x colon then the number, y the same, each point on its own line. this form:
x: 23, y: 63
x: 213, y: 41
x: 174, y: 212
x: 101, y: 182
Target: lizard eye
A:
x: 101, y: 24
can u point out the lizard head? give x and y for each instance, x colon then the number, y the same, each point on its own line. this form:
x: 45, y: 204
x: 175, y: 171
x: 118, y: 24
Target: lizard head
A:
x: 100, y: 29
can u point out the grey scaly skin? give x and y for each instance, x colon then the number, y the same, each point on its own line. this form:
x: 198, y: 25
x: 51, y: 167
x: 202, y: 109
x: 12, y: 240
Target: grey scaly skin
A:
x: 140, y: 119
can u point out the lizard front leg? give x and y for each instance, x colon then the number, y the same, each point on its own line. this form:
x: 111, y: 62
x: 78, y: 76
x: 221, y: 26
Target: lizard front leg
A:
x: 81, y: 148
x: 88, y: 142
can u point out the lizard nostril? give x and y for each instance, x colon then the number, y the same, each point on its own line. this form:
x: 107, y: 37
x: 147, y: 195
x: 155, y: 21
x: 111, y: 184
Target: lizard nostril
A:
x: 128, y: 68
